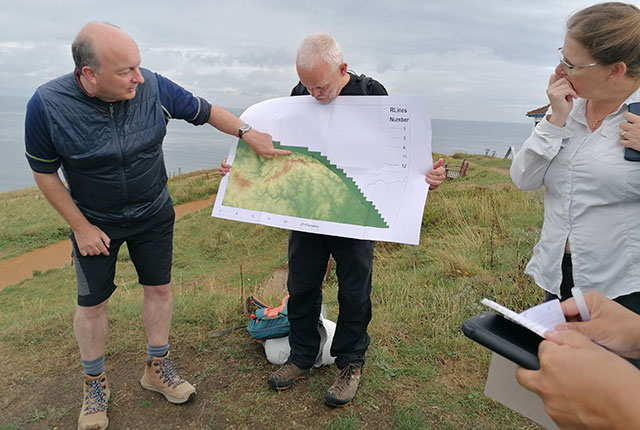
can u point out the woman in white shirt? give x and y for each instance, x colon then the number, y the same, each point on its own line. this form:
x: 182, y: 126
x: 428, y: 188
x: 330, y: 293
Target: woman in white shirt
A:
x: 591, y: 232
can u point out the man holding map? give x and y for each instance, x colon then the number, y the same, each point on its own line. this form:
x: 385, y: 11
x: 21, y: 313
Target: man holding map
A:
x: 323, y: 74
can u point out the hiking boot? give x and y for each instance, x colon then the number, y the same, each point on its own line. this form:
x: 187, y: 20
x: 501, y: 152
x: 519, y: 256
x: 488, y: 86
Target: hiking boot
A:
x: 93, y: 415
x: 161, y: 375
x: 344, y: 387
x: 284, y: 377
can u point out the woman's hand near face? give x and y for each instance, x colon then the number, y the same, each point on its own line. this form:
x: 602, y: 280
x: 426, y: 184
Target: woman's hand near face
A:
x: 561, y: 95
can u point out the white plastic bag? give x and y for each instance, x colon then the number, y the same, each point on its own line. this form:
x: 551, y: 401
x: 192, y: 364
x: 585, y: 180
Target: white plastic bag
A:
x: 278, y: 350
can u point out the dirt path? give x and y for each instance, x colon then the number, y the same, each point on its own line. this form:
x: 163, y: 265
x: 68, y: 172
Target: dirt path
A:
x: 58, y: 255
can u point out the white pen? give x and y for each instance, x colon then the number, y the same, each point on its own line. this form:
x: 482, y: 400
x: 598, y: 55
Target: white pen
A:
x: 582, y: 305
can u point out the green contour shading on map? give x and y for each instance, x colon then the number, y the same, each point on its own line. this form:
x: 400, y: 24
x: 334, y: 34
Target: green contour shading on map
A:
x: 304, y: 185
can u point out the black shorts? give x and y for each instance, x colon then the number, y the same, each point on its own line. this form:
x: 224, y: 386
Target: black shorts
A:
x: 150, y: 245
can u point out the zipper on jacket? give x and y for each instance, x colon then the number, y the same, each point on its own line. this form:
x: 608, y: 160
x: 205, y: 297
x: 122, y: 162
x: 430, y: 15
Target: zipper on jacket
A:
x: 123, y: 177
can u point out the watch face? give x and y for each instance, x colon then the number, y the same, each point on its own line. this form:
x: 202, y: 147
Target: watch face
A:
x: 243, y: 129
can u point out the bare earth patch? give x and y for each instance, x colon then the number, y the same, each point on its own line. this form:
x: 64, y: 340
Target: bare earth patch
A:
x: 274, y: 287
x: 229, y: 378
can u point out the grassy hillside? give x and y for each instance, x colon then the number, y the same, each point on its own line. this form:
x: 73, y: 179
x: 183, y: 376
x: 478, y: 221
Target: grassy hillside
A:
x: 421, y: 373
x: 29, y: 221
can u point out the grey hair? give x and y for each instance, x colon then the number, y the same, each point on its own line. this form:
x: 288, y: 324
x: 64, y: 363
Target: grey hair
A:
x: 319, y: 46
x: 83, y: 51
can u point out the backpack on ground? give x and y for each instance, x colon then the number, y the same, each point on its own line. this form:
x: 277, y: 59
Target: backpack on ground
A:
x: 268, y: 322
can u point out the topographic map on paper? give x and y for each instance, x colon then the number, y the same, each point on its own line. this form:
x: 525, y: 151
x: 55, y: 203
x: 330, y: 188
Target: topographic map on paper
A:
x: 356, y: 169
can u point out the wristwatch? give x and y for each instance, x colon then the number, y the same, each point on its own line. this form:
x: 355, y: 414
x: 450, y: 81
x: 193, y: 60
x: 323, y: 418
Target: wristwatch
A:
x: 243, y: 129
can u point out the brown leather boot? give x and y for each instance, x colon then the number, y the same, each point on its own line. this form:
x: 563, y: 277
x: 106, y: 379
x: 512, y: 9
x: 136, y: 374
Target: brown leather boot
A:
x: 93, y: 415
x: 345, y: 386
x: 284, y: 377
x: 161, y: 375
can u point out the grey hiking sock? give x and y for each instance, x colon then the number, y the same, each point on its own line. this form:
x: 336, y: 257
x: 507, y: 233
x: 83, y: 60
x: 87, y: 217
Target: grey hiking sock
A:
x: 94, y: 367
x: 157, y: 351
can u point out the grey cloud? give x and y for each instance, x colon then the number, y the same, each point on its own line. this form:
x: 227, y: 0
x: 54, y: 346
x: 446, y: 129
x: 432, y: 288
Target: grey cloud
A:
x: 474, y: 60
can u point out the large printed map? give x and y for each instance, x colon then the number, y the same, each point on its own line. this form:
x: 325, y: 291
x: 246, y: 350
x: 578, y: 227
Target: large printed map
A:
x: 356, y: 169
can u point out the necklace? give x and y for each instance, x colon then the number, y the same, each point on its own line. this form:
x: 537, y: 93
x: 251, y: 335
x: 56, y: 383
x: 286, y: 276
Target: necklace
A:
x: 597, y: 122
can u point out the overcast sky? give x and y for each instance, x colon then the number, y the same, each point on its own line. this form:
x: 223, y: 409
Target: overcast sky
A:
x: 486, y: 60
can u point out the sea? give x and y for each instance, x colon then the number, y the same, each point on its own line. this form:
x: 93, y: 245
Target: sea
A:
x: 188, y: 148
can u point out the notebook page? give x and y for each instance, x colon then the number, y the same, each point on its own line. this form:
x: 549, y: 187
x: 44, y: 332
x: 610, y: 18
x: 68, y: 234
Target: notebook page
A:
x: 535, y: 325
x: 548, y: 314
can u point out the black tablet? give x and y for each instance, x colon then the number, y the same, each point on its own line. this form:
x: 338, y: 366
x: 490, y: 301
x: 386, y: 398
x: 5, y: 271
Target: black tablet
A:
x: 504, y: 337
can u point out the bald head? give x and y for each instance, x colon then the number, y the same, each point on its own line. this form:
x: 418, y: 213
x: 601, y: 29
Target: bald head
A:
x: 107, y: 61
x: 93, y: 40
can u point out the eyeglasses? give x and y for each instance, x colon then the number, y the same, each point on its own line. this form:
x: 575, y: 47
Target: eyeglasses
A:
x: 570, y: 68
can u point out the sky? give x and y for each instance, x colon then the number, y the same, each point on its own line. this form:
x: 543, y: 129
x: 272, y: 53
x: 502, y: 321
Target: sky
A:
x: 474, y: 60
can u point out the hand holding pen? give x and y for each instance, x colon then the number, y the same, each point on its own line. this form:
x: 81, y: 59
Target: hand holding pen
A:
x: 607, y: 323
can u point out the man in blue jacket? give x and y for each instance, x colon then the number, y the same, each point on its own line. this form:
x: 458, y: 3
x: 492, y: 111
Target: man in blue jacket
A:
x: 104, y: 125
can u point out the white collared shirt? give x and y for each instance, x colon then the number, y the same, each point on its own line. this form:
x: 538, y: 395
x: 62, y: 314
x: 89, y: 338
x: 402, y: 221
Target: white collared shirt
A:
x: 592, y: 199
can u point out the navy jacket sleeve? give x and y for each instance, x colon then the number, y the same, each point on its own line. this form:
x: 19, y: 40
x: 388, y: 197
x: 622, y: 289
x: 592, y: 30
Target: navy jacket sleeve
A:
x: 181, y: 104
x: 40, y: 152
